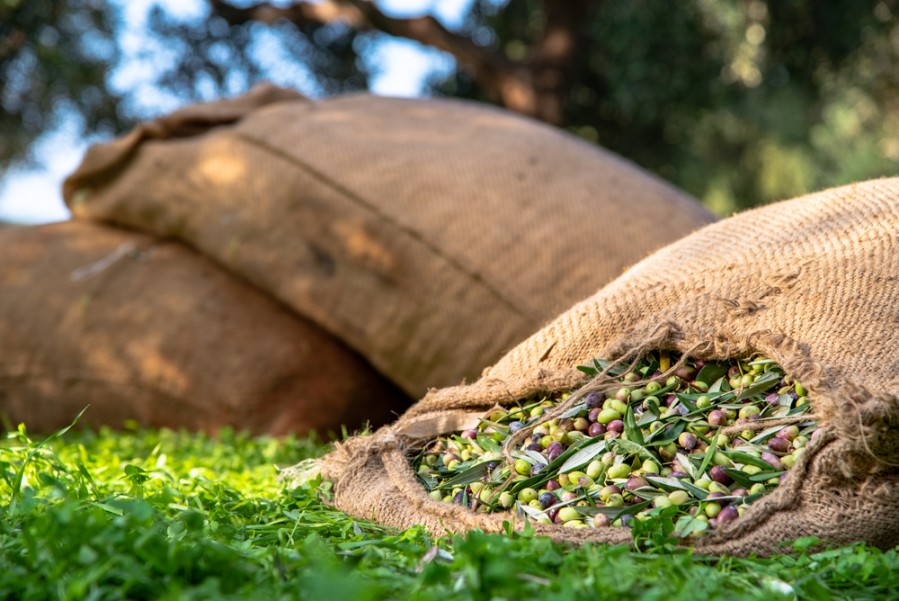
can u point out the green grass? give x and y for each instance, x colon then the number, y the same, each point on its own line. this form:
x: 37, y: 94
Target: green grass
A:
x: 165, y: 515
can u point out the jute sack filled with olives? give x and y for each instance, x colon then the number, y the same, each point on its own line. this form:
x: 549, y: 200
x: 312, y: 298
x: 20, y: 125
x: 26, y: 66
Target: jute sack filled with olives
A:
x: 429, y: 235
x: 148, y: 330
x: 809, y: 283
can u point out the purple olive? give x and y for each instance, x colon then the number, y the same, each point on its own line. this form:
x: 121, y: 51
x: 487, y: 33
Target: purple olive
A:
x: 789, y: 432
x: 596, y: 429
x: 718, y: 474
x: 535, y: 470
x: 717, y: 417
x: 684, y: 372
x: 687, y: 441
x: 739, y: 492
x: 458, y: 497
x: 469, y: 433
x: 635, y: 482
x: 608, y: 491
x: 553, y: 485
x: 553, y: 450
x: 772, y: 399
x: 601, y: 520
x: 678, y: 474
x: 534, y: 446
x: 594, y: 400
x: 515, y: 426
x: 547, y: 499
x: 616, y: 425
x: 594, y: 413
x: 772, y: 459
x: 728, y: 514
x: 714, y: 495
x: 779, y: 445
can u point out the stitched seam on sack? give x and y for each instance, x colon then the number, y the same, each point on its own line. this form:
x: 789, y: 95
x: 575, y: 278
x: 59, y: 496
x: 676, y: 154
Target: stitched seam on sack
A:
x: 350, y: 195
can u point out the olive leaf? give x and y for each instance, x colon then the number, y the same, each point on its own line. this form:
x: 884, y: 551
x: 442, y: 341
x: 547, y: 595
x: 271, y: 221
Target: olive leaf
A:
x: 583, y: 456
x: 472, y: 474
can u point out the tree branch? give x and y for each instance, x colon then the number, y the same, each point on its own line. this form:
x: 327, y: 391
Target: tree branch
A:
x: 299, y: 13
x: 536, y: 88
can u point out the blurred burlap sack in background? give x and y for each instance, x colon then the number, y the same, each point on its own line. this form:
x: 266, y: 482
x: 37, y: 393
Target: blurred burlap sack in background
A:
x: 148, y: 330
x: 429, y: 235
x: 811, y: 283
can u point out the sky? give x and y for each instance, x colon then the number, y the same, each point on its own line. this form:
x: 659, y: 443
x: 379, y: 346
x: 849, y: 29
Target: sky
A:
x: 33, y: 196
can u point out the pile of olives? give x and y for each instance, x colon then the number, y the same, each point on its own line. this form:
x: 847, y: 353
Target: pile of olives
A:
x: 708, y: 438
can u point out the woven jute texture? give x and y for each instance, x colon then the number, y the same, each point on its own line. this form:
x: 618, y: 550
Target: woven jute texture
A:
x: 148, y: 330
x: 431, y: 236
x: 812, y: 283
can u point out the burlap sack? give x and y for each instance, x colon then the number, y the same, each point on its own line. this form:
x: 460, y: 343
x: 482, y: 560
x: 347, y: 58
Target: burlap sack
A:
x: 812, y: 283
x: 148, y: 330
x: 431, y: 236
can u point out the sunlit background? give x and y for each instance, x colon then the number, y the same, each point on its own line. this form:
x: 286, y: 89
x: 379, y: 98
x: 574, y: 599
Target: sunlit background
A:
x: 738, y: 102
x: 32, y: 194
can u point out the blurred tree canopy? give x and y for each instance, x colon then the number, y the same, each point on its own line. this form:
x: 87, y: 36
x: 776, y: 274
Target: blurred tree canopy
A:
x: 739, y: 102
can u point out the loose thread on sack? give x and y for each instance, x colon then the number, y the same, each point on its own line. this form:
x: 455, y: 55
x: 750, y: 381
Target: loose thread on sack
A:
x: 863, y: 435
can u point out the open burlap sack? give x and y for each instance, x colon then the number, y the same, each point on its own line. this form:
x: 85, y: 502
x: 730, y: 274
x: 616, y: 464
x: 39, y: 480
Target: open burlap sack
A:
x: 431, y: 236
x: 148, y: 330
x: 812, y: 283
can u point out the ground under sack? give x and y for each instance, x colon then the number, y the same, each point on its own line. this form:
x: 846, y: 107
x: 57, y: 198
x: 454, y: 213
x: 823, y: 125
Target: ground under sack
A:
x: 148, y: 330
x: 811, y: 283
x: 429, y: 235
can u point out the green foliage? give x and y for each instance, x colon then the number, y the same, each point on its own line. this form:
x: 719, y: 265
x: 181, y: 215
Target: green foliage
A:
x: 55, y: 59
x: 165, y: 515
x: 739, y: 103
